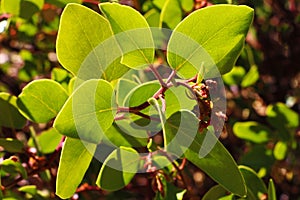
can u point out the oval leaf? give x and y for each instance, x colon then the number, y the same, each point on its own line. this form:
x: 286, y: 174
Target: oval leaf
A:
x: 10, y: 116
x: 132, y: 33
x: 118, y: 169
x: 22, y: 8
x: 85, y: 45
x: 215, y: 32
x: 41, y: 100
x: 255, y: 186
x: 171, y: 14
x: 88, y: 112
x: 252, y: 131
x: 12, y: 145
x: 74, y: 161
x: 280, y: 150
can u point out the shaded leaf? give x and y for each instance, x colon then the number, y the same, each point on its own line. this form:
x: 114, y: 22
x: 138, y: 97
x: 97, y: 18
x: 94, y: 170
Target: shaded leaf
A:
x: 10, y: 116
x: 22, y: 8
x: 41, y: 100
x: 74, y: 161
x: 256, y: 188
x: 120, y: 166
x: 271, y: 190
x: 48, y: 140
x: 11, y: 145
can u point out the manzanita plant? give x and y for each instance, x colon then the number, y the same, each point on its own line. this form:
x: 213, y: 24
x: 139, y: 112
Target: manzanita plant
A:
x: 143, y: 99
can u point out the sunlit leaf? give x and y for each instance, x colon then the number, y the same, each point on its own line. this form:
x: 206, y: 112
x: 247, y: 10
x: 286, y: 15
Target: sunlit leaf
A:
x: 74, y: 161
x: 214, y: 34
x: 85, y: 45
x: 88, y: 112
x: 132, y: 33
x: 10, y: 116
x: 251, y: 77
x: 41, y: 100
x: 235, y: 76
x: 171, y: 14
x: 252, y: 131
x: 280, y: 150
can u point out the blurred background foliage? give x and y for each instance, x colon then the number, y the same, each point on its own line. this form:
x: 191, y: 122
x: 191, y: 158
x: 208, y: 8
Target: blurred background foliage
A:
x: 263, y: 96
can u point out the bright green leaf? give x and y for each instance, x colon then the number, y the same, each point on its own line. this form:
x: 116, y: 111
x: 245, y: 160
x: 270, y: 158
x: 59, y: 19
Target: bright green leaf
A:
x: 22, y: 8
x: 280, y: 150
x: 171, y: 14
x: 41, y: 100
x: 282, y: 117
x: 85, y: 45
x: 74, y: 161
x: 48, y: 140
x: 214, y: 34
x: 30, y: 189
x: 123, y: 88
x: 11, y: 145
x: 255, y: 186
x: 152, y: 17
x: 252, y: 131
x: 132, y: 33
x: 88, y: 112
x: 187, y: 5
x: 251, y: 77
x: 235, y: 76
x: 10, y: 116
x: 271, y: 190
x: 118, y: 169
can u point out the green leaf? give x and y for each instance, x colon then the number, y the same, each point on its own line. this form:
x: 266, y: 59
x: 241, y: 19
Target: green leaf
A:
x: 62, y: 3
x: 132, y: 33
x: 280, y: 150
x: 22, y: 8
x: 152, y: 17
x: 258, y: 158
x: 48, y: 140
x: 88, y: 112
x: 171, y: 14
x: 204, y: 150
x: 85, y: 45
x: 235, y: 76
x: 30, y: 189
x: 252, y: 131
x: 271, y: 190
x: 123, y: 88
x: 74, y: 161
x: 187, y: 5
x: 41, y: 100
x: 118, y: 136
x: 282, y: 117
x: 216, y: 192
x: 195, y: 40
x: 255, y: 186
x: 251, y: 77
x: 61, y: 76
x: 218, y: 163
x: 12, y: 145
x: 12, y: 166
x: 10, y: 116
x: 120, y: 166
